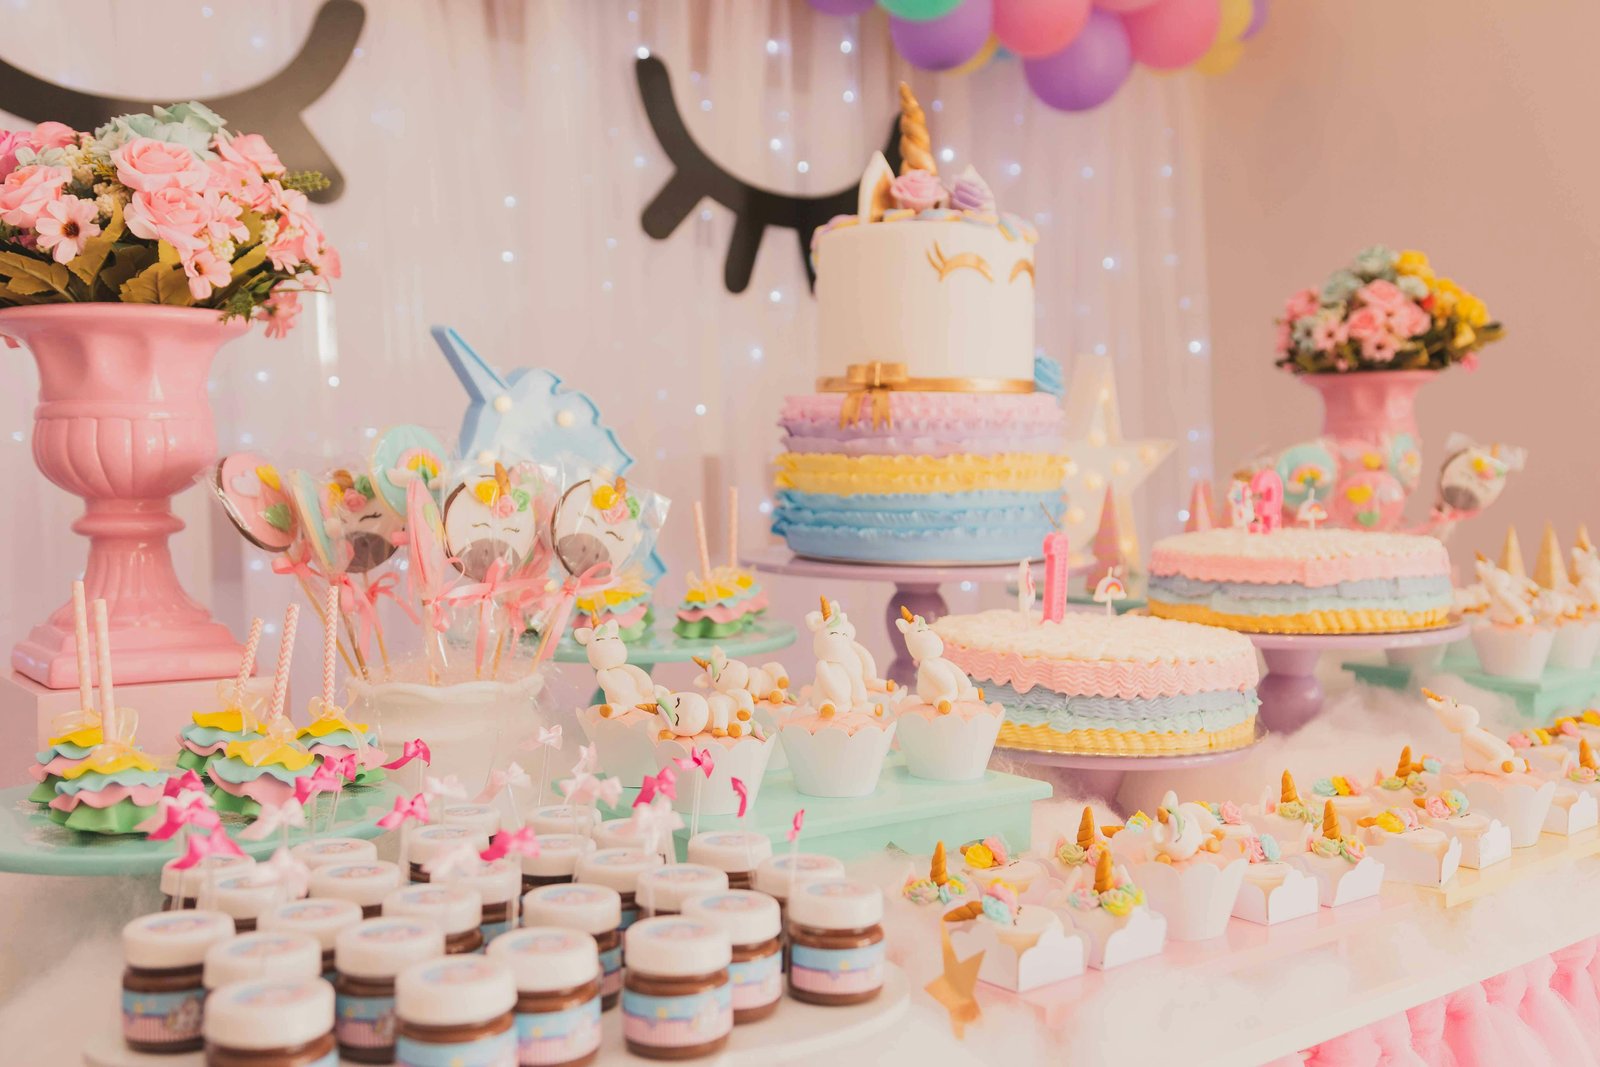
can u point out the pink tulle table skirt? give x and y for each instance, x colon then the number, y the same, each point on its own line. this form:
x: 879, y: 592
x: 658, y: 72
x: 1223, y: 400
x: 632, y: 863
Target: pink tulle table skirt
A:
x: 1545, y: 1012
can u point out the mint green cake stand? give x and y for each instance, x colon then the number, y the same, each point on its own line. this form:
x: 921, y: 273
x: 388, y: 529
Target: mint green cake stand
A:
x: 661, y: 645
x: 31, y: 844
x: 904, y: 812
x: 1553, y: 692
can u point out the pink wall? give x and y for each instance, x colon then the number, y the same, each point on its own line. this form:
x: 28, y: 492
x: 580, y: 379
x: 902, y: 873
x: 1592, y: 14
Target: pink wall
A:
x: 1465, y: 129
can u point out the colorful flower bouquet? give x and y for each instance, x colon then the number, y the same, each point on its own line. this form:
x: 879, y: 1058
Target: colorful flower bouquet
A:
x: 165, y: 208
x: 1385, y: 311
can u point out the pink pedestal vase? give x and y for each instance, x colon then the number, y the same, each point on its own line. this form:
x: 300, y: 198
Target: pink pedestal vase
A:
x: 124, y: 422
x: 1372, y: 415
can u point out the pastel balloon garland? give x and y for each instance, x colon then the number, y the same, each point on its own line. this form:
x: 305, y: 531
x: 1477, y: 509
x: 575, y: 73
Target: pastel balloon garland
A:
x: 1075, y: 54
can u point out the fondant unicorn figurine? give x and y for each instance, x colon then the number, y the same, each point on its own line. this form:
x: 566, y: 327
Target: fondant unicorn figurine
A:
x: 940, y: 683
x: 1181, y: 830
x: 840, y: 680
x: 767, y: 682
x: 1508, y: 598
x: 685, y: 714
x: 623, y: 684
x: 1481, y: 751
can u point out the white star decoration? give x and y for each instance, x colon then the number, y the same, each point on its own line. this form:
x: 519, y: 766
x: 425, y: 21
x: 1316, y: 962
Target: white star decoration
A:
x: 1098, y: 456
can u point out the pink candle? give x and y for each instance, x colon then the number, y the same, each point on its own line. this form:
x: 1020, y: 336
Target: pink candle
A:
x: 1055, y: 576
x: 1266, y: 490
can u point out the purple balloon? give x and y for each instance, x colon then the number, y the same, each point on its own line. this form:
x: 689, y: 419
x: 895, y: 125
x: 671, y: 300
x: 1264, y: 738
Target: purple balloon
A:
x: 842, y: 7
x: 946, y: 42
x: 1087, y: 72
x: 1258, y: 19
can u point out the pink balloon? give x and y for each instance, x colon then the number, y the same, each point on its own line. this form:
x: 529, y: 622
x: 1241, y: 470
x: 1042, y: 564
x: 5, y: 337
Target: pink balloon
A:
x: 1122, y: 7
x: 1171, y: 34
x: 1033, y: 28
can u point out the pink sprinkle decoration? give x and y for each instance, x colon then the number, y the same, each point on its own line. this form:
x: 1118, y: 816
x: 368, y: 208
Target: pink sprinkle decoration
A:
x: 742, y: 793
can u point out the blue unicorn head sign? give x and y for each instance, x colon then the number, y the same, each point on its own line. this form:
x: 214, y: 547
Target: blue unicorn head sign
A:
x: 529, y: 414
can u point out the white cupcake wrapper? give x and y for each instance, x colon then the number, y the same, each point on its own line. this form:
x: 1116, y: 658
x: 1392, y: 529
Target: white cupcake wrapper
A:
x: 1197, y: 898
x: 832, y: 763
x: 1522, y: 806
x: 626, y: 749
x: 1575, y: 645
x: 947, y: 748
x: 746, y: 761
x: 1513, y: 652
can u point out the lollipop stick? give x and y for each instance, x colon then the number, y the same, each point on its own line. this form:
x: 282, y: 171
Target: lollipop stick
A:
x: 694, y: 815
x: 80, y: 632
x: 316, y: 605
x: 330, y: 639
x: 280, y: 677
x: 700, y: 541
x: 108, y: 703
x: 247, y: 662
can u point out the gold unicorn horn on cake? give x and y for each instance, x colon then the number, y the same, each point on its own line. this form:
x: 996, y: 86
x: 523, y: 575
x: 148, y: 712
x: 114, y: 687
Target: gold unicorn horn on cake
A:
x: 970, y: 910
x: 1403, y: 768
x: 937, y: 872
x: 905, y: 613
x: 915, y: 150
x: 1286, y: 791
x: 1330, y: 822
x: 1102, y: 872
x: 1086, y: 833
x: 825, y: 612
x: 1586, y: 756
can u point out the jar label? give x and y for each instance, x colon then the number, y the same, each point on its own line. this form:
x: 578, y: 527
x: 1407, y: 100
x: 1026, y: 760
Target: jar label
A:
x: 494, y: 930
x: 630, y: 915
x: 162, y: 1018
x: 495, y: 1050
x: 758, y: 982
x: 556, y: 1037
x: 611, y: 971
x: 677, y: 1022
x: 364, y: 1022
x: 836, y: 970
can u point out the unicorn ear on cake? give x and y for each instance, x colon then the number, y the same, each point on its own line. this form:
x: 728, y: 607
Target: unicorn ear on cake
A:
x: 917, y: 187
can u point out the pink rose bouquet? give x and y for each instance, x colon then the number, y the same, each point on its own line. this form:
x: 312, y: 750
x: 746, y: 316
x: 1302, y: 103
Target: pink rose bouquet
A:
x: 165, y: 208
x: 1385, y: 311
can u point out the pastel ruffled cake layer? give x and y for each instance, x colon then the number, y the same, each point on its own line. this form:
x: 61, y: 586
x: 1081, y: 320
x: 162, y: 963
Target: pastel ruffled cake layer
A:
x: 1109, y: 685
x: 207, y: 735
x: 243, y: 779
x: 728, y: 604
x: 629, y: 606
x: 1297, y: 580
x: 108, y: 796
x: 337, y: 737
x: 64, y: 753
x: 927, y: 424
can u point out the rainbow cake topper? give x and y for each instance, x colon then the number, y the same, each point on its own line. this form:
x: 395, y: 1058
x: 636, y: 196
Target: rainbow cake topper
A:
x: 405, y: 454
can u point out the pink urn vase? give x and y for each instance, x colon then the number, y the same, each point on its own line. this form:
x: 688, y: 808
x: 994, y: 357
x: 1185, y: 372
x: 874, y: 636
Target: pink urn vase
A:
x: 1370, y: 416
x: 124, y: 422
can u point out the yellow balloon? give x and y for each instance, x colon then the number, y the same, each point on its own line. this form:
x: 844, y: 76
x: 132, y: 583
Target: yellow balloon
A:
x: 987, y: 52
x: 1223, y: 57
x: 1236, y: 16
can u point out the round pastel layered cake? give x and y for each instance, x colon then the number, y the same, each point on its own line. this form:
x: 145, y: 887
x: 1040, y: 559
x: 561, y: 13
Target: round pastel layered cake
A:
x: 1302, y: 581
x: 1123, y: 685
x: 949, y: 477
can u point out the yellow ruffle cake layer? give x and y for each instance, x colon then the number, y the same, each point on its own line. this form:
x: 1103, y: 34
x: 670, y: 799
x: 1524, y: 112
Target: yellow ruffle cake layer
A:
x: 1025, y: 472
x: 1125, y: 742
x: 1364, y: 621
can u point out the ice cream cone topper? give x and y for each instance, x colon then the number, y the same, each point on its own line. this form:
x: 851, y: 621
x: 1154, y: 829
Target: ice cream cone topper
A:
x: 1511, y: 555
x: 915, y: 148
x: 1581, y: 541
x: 1087, y: 835
x: 938, y: 873
x: 1287, y: 794
x: 1549, y: 570
x: 1102, y: 872
x: 1330, y: 822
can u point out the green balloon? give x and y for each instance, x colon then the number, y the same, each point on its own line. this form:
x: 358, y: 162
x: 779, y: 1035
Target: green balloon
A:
x: 919, y: 10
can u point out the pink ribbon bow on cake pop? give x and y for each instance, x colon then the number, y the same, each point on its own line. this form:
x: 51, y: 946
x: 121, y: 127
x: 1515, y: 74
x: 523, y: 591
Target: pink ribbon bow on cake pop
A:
x: 795, y: 825
x: 414, y: 808
x: 588, y: 761
x: 449, y: 787
x: 275, y: 817
x: 523, y: 842
x: 199, y: 846
x: 176, y: 812
x: 592, y: 579
x: 587, y: 789
x: 652, y: 820
x: 547, y: 737
x: 409, y: 751
x: 742, y: 793
x: 664, y: 783
x: 187, y: 782
x: 513, y: 775
x: 698, y: 758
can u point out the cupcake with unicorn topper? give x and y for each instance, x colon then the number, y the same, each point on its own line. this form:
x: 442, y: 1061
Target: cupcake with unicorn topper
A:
x: 1109, y: 909
x: 1510, y: 644
x: 76, y: 734
x: 208, y: 733
x: 264, y: 770
x: 1494, y: 778
x: 1414, y: 777
x: 1410, y: 850
x: 1560, y: 605
x: 939, y: 887
x: 1543, y: 750
x: 947, y: 731
x: 1484, y: 841
x: 1288, y: 819
x: 726, y: 756
x: 720, y: 601
x: 622, y: 733
x: 1070, y: 854
x: 1350, y: 800
x: 116, y: 786
x: 1274, y: 890
x: 745, y: 693
x: 1190, y: 872
x: 1340, y: 864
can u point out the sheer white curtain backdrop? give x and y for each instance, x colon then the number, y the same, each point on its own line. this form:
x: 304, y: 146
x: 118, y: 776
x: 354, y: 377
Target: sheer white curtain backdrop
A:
x: 497, y: 160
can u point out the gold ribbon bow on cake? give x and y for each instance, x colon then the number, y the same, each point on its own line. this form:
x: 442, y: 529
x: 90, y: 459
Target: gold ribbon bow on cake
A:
x: 873, y: 382
x: 277, y: 734
x: 79, y: 726
x: 117, y: 751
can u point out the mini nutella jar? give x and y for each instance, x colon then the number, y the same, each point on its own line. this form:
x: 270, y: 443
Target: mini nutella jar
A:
x: 737, y: 853
x: 367, y: 957
x: 836, y: 944
x: 775, y: 875
x: 484, y: 818
x: 557, y: 972
x: 455, y: 909
x: 364, y: 883
x: 624, y: 833
x: 321, y: 918
x: 595, y: 910
x: 562, y: 819
x: 163, y: 994
x: 326, y: 850
x: 181, y: 888
x: 243, y: 896
x: 499, y: 886
x: 429, y: 842
x: 252, y: 957
x: 273, y: 1022
x: 557, y: 859
x: 662, y: 890
x: 620, y: 869
x: 676, y: 1000
x: 751, y: 922
x: 456, y: 1012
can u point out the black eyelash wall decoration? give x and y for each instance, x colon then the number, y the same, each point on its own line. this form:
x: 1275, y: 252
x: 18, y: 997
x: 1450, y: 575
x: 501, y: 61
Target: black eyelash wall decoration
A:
x: 271, y: 108
x: 696, y: 176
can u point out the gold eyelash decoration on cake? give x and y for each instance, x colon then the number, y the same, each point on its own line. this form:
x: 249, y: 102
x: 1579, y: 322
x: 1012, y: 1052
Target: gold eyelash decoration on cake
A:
x: 1023, y: 266
x: 946, y: 264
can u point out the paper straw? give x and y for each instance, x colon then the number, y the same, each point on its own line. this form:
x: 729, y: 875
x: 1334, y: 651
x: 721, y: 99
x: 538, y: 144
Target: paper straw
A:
x: 247, y: 665
x: 700, y: 540
x: 330, y: 643
x: 108, y: 702
x: 733, y: 526
x: 80, y: 629
x: 280, y: 679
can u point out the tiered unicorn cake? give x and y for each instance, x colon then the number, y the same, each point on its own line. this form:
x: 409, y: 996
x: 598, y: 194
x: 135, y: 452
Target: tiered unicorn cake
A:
x: 932, y: 445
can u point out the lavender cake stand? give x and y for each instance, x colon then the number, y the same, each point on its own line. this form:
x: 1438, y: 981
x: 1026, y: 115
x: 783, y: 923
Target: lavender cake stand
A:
x: 916, y: 586
x: 1290, y: 694
x: 1101, y: 776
